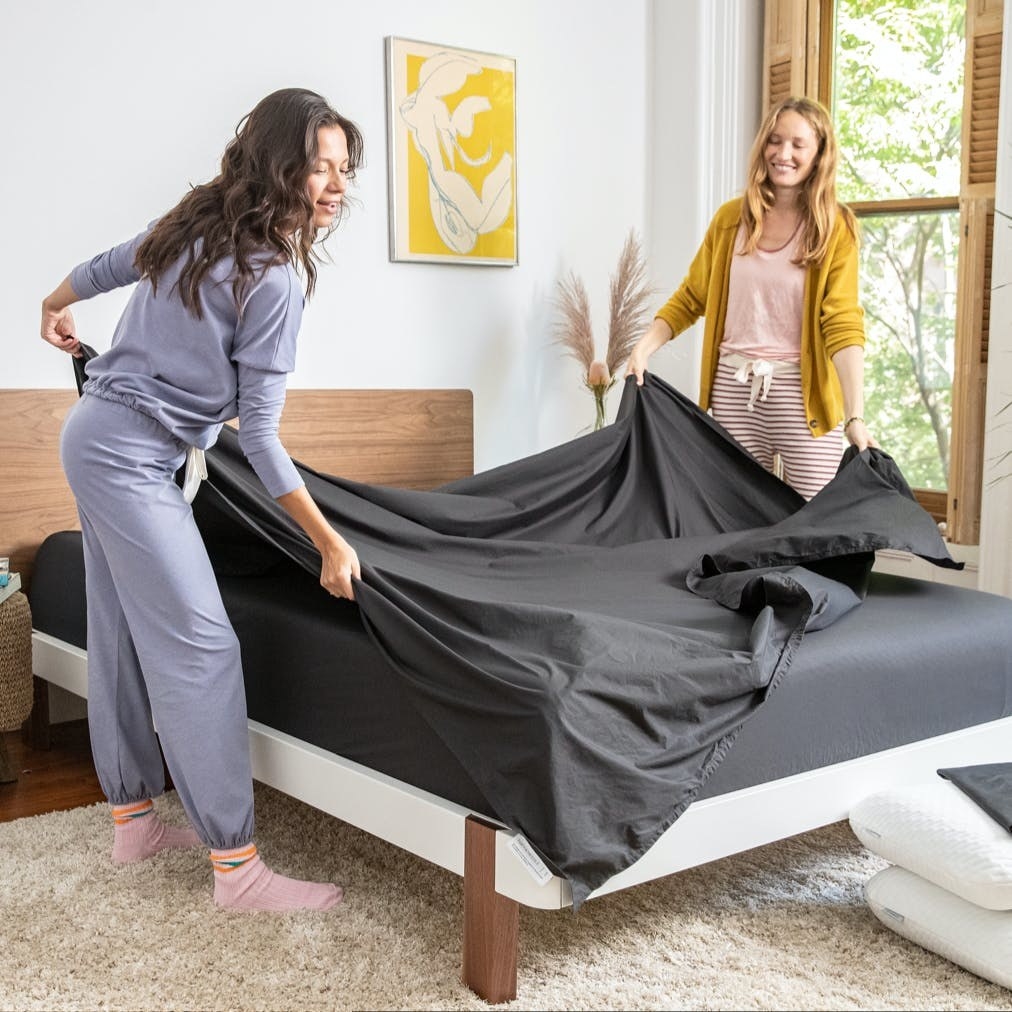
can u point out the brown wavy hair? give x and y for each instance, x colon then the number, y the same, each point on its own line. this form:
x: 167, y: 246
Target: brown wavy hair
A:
x: 818, y: 204
x: 257, y: 204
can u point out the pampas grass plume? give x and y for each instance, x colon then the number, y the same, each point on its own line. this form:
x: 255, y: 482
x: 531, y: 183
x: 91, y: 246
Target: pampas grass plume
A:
x: 628, y: 318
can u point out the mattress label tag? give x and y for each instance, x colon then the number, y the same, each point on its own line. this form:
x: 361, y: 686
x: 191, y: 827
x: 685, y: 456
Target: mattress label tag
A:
x: 536, y: 868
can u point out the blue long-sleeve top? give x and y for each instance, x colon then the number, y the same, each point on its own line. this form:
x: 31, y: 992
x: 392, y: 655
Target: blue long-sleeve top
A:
x: 194, y: 375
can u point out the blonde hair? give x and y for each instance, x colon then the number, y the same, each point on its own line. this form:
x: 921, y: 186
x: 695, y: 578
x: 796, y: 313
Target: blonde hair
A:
x: 817, y: 200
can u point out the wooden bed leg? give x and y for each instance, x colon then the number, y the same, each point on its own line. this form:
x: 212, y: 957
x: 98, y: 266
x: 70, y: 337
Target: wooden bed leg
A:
x: 35, y: 730
x: 491, y: 921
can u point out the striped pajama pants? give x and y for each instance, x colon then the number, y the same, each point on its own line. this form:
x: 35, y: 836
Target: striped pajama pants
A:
x: 765, y: 412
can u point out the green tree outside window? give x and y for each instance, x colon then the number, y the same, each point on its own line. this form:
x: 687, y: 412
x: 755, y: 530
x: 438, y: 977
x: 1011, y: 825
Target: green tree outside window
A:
x: 897, y: 90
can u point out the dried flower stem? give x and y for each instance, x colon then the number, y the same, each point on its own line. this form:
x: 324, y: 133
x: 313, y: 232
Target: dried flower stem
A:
x: 630, y: 303
x: 630, y: 298
x: 575, y: 331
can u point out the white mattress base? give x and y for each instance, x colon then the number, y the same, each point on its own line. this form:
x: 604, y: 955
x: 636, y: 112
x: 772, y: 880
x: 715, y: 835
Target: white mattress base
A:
x: 433, y: 828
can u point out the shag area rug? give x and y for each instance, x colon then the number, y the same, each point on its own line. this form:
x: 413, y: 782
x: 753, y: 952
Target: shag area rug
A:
x: 781, y: 927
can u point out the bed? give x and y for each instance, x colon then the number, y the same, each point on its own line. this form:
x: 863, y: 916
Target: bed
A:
x: 873, y: 701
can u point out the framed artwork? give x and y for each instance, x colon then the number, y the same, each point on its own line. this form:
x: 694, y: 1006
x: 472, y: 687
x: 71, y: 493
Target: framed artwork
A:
x: 451, y: 122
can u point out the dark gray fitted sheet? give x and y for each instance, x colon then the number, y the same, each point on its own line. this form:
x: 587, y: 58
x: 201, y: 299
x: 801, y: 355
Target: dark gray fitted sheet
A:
x: 917, y: 659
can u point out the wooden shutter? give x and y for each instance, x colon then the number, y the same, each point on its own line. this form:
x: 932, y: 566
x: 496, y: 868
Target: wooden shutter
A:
x: 785, y: 50
x: 980, y: 115
x: 976, y: 203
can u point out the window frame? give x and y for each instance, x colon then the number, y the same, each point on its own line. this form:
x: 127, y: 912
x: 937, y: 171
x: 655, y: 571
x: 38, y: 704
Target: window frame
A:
x: 798, y: 58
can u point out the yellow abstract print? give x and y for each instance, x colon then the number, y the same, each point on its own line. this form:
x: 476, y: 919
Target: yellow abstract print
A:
x: 456, y: 120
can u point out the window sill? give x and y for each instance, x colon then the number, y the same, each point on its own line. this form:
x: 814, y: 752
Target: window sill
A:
x: 889, y: 560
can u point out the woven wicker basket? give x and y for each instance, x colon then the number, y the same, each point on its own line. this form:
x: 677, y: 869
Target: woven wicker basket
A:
x: 15, y: 661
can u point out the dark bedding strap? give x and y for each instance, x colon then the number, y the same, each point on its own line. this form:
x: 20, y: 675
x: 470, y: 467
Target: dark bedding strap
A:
x: 88, y: 353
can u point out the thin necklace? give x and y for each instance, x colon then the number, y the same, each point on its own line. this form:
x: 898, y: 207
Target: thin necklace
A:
x: 785, y: 245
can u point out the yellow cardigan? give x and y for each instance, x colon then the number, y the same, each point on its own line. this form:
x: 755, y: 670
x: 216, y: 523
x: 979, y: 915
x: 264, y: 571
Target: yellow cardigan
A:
x: 832, y: 318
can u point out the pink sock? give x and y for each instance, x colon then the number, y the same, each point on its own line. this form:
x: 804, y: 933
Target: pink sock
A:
x: 243, y: 882
x: 140, y: 834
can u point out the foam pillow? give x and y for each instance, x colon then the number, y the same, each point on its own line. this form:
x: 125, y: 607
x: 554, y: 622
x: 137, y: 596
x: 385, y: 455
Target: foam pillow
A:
x: 937, y: 832
x: 978, y: 940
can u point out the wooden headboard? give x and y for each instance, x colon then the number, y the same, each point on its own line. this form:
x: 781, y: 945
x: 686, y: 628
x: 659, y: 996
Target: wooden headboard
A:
x: 408, y: 438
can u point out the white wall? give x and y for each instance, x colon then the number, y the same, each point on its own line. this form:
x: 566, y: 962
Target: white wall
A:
x: 707, y: 97
x: 113, y: 107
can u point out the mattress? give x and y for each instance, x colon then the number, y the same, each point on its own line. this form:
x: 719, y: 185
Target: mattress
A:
x: 916, y: 660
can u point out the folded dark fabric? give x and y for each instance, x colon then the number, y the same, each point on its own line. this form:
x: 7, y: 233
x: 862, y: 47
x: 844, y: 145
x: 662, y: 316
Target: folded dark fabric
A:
x: 989, y: 785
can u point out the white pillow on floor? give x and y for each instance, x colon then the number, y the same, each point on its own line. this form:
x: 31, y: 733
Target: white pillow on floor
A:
x: 937, y: 832
x: 978, y: 940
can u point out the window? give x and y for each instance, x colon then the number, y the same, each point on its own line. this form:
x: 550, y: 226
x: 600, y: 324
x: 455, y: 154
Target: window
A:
x: 897, y: 100
x: 913, y: 87
x: 908, y: 290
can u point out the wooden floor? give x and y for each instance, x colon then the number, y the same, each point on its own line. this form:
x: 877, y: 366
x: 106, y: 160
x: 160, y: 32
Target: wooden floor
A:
x: 50, y: 780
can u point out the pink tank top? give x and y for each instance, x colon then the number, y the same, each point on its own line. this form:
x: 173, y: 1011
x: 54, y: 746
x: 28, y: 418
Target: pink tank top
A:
x: 765, y: 302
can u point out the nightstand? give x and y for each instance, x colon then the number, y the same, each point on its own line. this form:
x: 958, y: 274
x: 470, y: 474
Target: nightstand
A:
x: 15, y: 671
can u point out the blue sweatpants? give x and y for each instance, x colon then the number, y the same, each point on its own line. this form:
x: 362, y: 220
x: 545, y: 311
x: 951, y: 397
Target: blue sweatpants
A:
x: 161, y: 650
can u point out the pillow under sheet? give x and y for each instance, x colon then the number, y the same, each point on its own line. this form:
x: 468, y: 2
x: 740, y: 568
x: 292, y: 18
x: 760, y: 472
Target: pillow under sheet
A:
x: 976, y: 939
x: 937, y: 832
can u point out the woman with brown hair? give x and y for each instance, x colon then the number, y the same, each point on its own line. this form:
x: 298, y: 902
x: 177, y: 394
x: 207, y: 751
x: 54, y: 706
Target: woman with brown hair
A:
x: 776, y: 279
x: 209, y: 334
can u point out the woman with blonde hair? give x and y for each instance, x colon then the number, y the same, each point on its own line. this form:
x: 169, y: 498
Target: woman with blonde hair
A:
x: 776, y: 280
